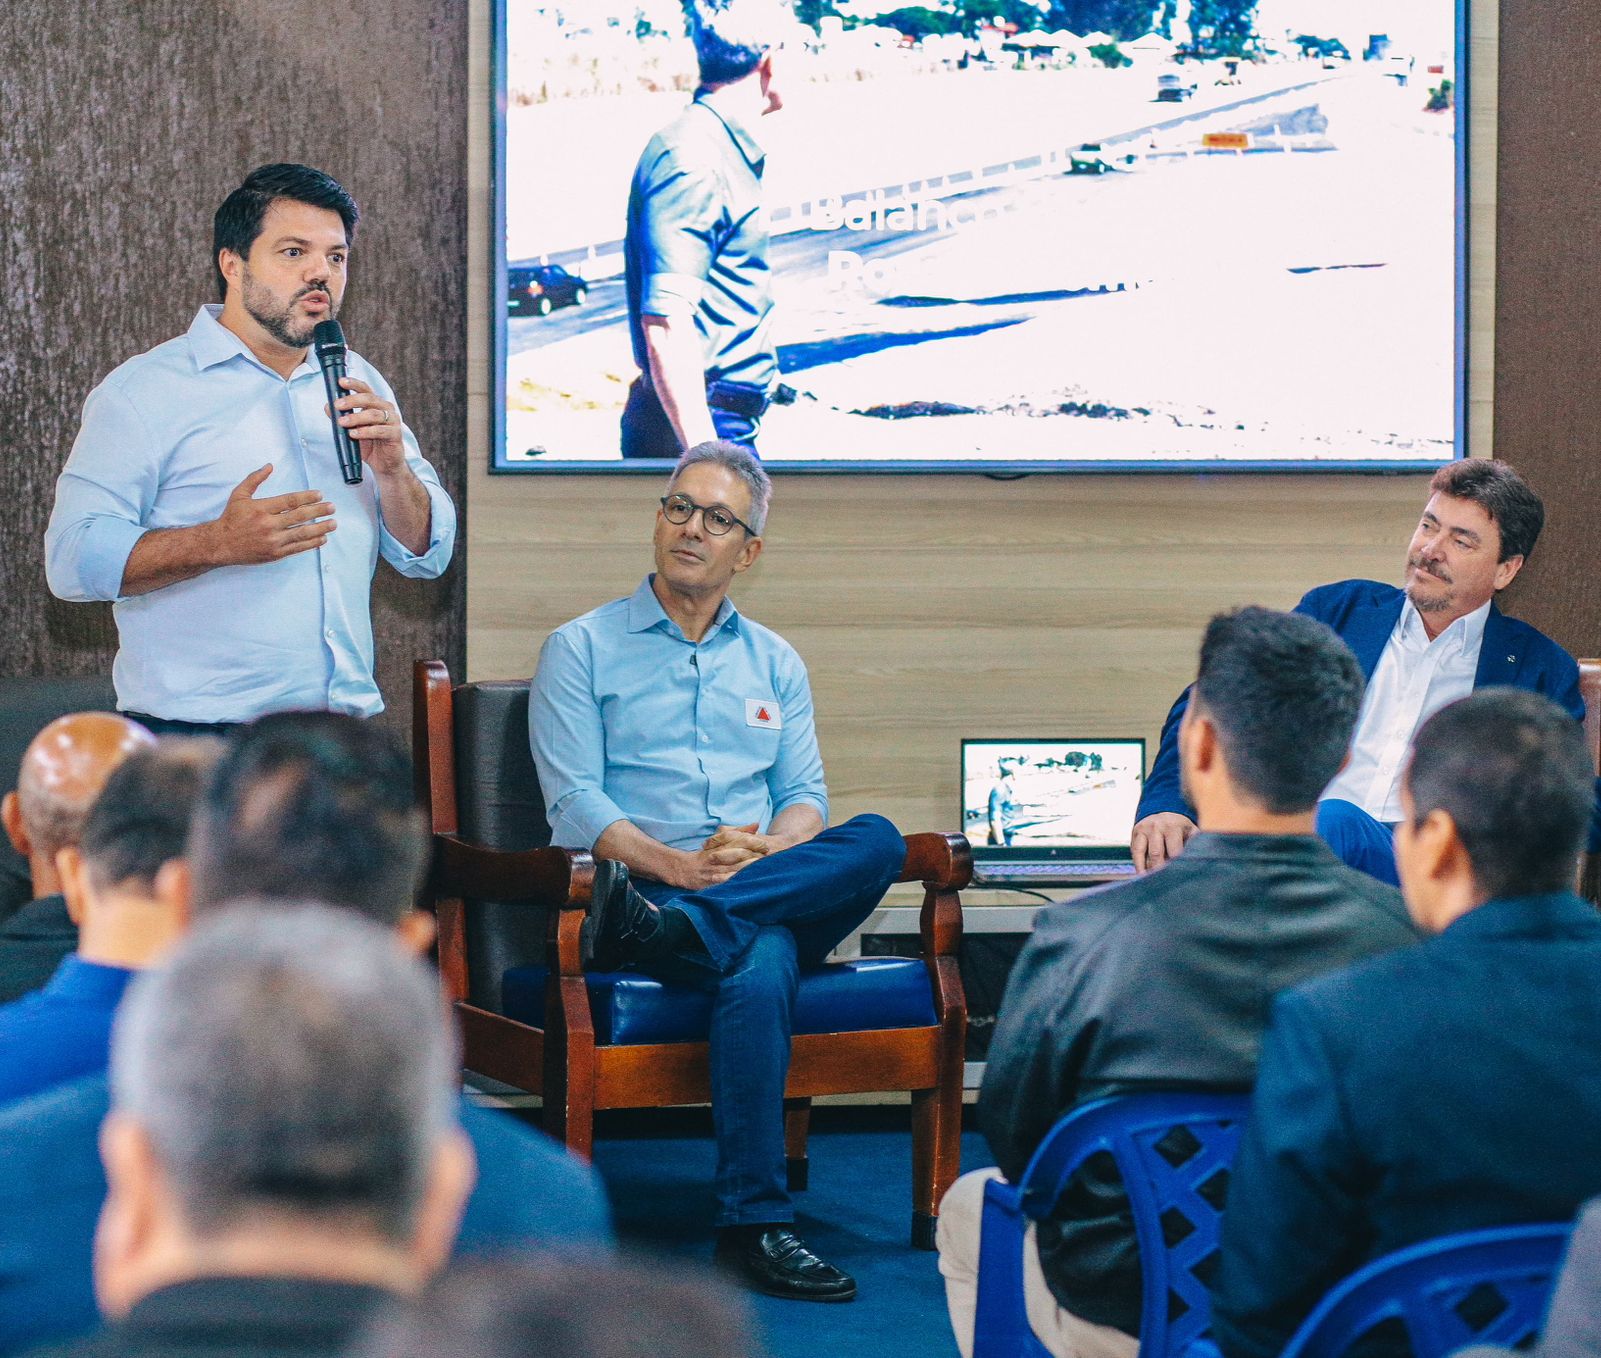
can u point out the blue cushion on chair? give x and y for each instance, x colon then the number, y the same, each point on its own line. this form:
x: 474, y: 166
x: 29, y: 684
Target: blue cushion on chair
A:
x: 838, y: 997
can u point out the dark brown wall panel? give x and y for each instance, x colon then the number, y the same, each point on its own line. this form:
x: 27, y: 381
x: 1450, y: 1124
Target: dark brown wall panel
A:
x: 1548, y: 301
x: 122, y: 126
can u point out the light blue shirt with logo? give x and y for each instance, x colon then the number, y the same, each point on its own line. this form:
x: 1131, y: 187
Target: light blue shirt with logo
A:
x: 164, y: 440
x: 630, y: 720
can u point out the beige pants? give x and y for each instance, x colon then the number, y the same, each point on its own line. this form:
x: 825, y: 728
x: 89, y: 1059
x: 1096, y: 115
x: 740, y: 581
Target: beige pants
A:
x: 1063, y: 1333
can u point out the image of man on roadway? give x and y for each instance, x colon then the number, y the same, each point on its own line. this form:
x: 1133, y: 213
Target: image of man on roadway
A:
x: 696, y: 268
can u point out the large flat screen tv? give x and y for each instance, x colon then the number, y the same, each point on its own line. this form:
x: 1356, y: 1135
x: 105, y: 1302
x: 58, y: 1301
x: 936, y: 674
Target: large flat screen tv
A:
x: 1004, y: 236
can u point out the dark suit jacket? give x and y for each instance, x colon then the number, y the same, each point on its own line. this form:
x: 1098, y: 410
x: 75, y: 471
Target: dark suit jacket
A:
x: 237, y: 1318
x: 1163, y: 982
x: 1364, y: 613
x: 1450, y: 1087
x: 33, y: 943
x: 530, y: 1194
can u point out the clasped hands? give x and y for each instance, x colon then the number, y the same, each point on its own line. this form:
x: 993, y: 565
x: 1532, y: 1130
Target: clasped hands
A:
x: 729, y: 849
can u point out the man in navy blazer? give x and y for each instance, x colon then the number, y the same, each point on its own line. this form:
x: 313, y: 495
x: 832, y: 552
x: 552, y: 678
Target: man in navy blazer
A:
x: 1421, y: 647
x: 1452, y: 1086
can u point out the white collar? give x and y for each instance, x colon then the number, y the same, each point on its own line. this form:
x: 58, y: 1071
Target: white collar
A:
x: 1463, y: 635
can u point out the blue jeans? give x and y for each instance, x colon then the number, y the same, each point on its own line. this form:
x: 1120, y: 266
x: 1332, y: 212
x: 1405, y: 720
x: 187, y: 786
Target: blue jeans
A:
x: 1357, y: 839
x: 647, y: 433
x: 759, y: 928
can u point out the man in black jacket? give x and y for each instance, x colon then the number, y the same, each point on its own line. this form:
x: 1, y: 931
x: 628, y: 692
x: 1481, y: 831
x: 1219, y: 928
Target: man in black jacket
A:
x: 1452, y: 1087
x: 1165, y: 982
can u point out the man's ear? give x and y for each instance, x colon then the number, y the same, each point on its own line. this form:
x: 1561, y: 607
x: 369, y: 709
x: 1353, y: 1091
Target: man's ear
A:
x: 748, y: 554
x: 130, y: 1219
x: 1440, y: 852
x: 174, y: 888
x: 228, y: 264
x: 450, y: 1180
x: 74, y: 874
x: 11, y: 817
x: 417, y: 932
x: 1203, y: 742
x: 1507, y: 571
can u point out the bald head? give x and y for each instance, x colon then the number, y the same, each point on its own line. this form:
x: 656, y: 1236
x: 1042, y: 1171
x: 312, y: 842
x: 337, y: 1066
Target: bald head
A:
x: 62, y: 773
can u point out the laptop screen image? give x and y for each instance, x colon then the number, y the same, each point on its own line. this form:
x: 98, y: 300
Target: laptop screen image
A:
x: 1050, y: 799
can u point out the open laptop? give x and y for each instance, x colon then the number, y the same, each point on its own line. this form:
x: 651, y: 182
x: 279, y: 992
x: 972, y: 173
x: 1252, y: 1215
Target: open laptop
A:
x: 1050, y: 812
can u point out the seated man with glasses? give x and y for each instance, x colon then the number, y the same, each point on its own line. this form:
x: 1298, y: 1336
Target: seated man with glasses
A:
x: 674, y: 741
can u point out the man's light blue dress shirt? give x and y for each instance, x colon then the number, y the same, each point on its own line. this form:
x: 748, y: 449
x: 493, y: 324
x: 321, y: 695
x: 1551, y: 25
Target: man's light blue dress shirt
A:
x: 165, y: 439
x: 630, y: 720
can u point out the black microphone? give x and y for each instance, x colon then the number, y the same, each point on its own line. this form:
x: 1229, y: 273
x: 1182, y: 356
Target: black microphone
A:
x: 329, y: 340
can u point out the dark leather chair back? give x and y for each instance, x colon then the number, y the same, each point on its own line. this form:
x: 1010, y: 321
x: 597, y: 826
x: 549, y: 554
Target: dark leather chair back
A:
x: 1590, y: 690
x: 27, y: 706
x: 500, y: 807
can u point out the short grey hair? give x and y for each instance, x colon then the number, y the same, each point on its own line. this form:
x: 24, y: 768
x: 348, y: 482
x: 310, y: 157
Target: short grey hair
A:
x: 742, y: 462
x: 288, y: 1058
x: 732, y: 36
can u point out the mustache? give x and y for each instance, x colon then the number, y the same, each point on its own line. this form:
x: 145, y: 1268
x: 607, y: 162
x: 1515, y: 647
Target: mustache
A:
x: 1418, y: 565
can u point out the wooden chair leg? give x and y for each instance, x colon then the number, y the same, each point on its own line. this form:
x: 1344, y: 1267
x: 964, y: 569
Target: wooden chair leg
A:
x: 797, y: 1122
x: 936, y: 1155
x: 937, y: 1112
x: 570, y: 1067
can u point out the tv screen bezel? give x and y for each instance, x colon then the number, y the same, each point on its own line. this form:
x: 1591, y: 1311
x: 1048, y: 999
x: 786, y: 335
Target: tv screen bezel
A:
x: 992, y: 468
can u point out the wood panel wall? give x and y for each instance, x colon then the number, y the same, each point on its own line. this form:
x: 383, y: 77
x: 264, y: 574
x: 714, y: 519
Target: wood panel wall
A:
x: 122, y: 127
x: 932, y: 608
x: 1548, y: 301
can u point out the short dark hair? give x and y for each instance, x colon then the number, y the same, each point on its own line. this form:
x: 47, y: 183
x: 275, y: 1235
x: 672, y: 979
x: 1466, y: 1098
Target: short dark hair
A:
x: 1512, y: 770
x: 310, y: 806
x: 1501, y: 493
x: 289, y: 1059
x: 556, y: 1307
x: 1284, y: 692
x: 238, y: 220
x: 732, y: 36
x: 141, y: 818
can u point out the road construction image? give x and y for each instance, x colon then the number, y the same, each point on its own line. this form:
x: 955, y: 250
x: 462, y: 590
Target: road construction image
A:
x: 1026, y: 231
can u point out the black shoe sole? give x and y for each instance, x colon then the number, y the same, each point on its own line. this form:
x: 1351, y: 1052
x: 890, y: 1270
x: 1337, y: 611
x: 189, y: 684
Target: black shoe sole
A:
x: 772, y: 1290
x: 608, y: 895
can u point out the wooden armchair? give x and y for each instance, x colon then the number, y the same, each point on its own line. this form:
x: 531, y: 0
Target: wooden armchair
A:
x: 579, y: 1041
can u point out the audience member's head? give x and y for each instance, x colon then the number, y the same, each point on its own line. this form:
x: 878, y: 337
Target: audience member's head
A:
x: 1269, y: 723
x: 117, y: 878
x: 565, y: 1308
x: 311, y: 806
x: 1496, y: 800
x: 62, y: 772
x: 282, y: 1105
x: 1478, y: 528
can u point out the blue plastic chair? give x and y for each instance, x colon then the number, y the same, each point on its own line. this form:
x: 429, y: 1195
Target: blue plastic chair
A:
x: 1173, y: 1152
x: 1481, y: 1287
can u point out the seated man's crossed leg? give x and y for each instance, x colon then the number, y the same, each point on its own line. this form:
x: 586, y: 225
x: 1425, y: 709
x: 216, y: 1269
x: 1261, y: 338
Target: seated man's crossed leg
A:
x: 747, y: 940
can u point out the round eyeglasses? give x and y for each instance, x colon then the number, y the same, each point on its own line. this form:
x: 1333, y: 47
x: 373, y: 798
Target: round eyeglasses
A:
x: 718, y: 519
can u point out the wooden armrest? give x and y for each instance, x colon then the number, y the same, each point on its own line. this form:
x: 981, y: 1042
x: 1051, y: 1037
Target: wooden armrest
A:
x: 939, y: 861
x: 558, y: 878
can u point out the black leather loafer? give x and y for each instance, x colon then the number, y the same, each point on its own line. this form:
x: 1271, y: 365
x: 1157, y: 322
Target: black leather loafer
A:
x: 620, y: 921
x: 774, y: 1260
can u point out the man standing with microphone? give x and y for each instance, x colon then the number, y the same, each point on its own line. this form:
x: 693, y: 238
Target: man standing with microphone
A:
x: 204, y: 494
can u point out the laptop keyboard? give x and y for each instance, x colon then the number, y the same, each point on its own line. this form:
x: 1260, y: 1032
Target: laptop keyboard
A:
x: 1046, y: 871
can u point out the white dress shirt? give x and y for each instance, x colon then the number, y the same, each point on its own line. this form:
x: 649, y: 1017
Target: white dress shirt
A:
x: 1414, y: 679
x: 165, y: 439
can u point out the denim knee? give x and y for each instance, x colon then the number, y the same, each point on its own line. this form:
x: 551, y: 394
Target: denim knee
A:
x: 883, y: 847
